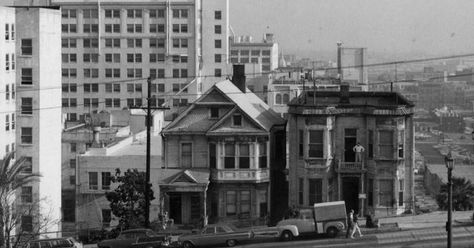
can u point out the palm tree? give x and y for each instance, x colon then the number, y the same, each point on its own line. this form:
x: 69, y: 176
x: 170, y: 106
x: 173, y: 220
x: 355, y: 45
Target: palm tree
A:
x: 11, y: 179
x: 463, y: 195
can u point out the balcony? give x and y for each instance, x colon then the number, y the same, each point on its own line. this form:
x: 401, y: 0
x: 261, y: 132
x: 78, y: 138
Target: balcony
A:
x: 241, y: 175
x: 350, y: 167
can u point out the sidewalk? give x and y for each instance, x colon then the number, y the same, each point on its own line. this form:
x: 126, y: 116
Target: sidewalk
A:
x: 433, y: 219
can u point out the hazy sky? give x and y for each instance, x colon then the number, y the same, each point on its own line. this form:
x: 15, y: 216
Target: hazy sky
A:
x: 389, y: 26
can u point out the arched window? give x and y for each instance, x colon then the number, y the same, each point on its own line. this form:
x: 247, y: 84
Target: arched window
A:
x: 286, y: 98
x: 278, y: 99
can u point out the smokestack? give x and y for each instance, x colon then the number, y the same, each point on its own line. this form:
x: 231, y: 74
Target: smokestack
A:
x: 344, y: 93
x: 339, y: 58
x: 238, y: 77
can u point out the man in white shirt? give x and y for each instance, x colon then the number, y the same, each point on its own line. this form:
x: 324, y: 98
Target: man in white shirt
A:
x: 358, y: 149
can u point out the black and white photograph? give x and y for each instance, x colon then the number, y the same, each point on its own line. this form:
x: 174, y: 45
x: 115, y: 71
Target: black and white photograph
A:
x: 246, y: 123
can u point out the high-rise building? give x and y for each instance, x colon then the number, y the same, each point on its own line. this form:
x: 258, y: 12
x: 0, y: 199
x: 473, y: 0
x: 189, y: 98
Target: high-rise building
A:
x: 31, y: 108
x: 7, y: 80
x: 110, y: 47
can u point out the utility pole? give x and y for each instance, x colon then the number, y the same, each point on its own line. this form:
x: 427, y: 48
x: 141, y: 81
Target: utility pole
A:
x: 148, y: 122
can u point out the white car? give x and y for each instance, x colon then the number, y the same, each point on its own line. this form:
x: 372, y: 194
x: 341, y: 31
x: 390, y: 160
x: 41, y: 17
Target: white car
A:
x: 67, y: 242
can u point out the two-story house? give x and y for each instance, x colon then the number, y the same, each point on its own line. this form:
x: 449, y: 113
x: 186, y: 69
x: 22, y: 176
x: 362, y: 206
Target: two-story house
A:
x: 230, y: 132
x: 324, y: 127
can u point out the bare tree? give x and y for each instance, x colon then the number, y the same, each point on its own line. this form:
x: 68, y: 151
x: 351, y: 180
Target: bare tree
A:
x: 12, y: 177
x: 25, y: 232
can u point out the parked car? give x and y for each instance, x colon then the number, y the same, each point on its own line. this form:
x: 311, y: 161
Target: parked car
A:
x: 140, y: 237
x: 223, y: 234
x: 214, y: 234
x: 328, y: 217
x: 67, y: 242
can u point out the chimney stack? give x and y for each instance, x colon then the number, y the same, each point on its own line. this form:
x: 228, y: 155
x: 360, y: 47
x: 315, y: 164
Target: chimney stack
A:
x: 238, y: 77
x: 96, y: 135
x: 344, y: 93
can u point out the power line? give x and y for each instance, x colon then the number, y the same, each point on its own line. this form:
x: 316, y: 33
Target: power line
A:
x: 258, y: 73
x: 167, y: 94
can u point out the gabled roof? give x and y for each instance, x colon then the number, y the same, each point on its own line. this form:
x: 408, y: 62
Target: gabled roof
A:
x: 195, y: 118
x: 251, y: 105
x: 183, y: 177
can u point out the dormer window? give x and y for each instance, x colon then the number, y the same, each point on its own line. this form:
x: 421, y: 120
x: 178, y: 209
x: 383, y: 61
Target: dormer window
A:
x: 214, y: 113
x: 237, y: 120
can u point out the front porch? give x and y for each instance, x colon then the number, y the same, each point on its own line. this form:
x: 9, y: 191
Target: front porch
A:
x: 183, y: 197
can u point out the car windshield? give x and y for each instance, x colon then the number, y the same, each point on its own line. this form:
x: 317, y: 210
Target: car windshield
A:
x: 61, y: 243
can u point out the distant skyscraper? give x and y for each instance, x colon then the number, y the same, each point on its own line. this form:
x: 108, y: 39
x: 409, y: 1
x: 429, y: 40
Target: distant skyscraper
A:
x: 243, y: 50
x: 352, y: 66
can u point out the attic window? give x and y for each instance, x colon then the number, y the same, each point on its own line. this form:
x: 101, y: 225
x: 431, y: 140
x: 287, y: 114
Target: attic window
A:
x: 214, y: 112
x: 237, y: 120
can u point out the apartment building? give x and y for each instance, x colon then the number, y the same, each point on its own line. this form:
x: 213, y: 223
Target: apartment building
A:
x: 324, y: 127
x: 30, y: 107
x: 244, y: 50
x: 7, y: 81
x: 229, y: 134
x: 110, y: 47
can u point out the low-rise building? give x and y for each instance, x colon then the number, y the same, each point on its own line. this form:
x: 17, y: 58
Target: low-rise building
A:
x: 324, y: 127
x: 111, y: 148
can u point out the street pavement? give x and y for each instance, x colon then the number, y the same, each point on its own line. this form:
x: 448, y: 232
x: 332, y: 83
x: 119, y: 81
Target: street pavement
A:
x: 411, y: 229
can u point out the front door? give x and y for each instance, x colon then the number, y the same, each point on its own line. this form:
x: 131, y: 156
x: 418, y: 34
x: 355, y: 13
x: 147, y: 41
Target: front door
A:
x: 350, y: 140
x: 350, y: 193
x: 175, y: 207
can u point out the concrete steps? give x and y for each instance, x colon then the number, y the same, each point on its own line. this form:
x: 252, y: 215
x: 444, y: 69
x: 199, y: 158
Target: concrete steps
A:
x: 423, y: 201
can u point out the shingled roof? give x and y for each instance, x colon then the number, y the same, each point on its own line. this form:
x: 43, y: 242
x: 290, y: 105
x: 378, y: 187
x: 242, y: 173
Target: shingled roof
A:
x: 194, y: 118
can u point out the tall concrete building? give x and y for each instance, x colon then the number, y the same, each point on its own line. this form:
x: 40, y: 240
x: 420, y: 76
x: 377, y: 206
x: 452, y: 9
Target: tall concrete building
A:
x: 31, y: 107
x: 110, y: 47
x: 7, y: 80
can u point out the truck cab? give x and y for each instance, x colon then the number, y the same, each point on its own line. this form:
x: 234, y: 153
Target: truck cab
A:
x: 328, y: 217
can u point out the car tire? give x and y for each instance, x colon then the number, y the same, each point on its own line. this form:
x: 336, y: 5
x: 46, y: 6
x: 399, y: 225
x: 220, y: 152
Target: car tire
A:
x: 286, y: 236
x: 231, y: 242
x: 332, y: 232
x: 187, y: 244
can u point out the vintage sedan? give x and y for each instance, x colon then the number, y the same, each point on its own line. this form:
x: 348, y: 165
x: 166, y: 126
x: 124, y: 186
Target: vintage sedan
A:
x: 134, y: 238
x: 214, y: 234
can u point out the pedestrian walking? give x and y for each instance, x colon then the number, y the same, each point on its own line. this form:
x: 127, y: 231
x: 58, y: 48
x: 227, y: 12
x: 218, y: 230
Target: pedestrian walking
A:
x: 358, y: 149
x: 355, y: 226
x: 350, y: 223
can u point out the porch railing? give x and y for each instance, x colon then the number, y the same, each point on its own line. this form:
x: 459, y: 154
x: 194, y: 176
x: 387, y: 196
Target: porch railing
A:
x: 241, y: 174
x: 350, y: 167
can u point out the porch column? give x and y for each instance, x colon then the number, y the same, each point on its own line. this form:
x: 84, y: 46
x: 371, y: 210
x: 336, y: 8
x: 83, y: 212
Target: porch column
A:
x: 339, y: 185
x: 362, y: 191
x: 204, y: 206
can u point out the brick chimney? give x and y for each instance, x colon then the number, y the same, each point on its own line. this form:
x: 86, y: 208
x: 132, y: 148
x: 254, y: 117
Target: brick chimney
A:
x: 239, y: 77
x: 344, y: 93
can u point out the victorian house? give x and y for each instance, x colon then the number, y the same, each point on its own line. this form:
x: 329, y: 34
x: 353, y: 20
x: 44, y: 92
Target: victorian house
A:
x: 232, y: 135
x: 324, y: 127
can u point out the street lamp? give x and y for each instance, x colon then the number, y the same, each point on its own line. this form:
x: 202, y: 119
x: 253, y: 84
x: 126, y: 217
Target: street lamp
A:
x: 449, y: 161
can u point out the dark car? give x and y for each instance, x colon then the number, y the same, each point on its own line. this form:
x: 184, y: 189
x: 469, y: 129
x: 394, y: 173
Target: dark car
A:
x: 134, y: 238
x: 214, y: 234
